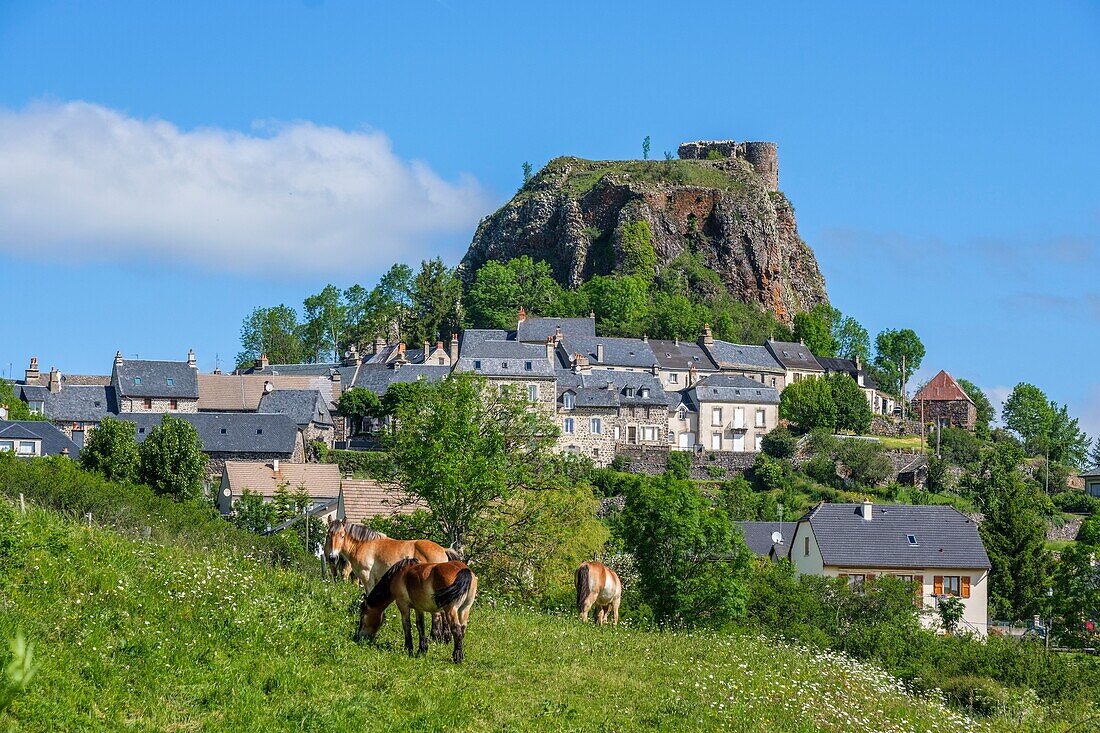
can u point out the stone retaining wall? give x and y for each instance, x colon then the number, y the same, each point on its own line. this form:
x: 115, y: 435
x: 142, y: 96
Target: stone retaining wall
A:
x: 707, y: 464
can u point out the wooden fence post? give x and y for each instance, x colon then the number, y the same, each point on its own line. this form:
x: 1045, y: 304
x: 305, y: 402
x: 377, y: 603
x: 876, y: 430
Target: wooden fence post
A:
x: 22, y: 504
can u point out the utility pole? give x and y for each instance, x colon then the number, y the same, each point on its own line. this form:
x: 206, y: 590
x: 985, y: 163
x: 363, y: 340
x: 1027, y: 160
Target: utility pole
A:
x: 904, y: 397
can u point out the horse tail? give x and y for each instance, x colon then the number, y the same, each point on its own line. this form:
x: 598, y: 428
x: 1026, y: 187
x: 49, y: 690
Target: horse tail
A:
x: 582, y: 586
x: 380, y: 593
x: 453, y: 554
x: 446, y: 597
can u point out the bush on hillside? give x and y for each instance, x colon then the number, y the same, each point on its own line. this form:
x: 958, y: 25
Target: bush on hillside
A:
x: 1076, y: 502
x: 865, y: 462
x: 780, y: 443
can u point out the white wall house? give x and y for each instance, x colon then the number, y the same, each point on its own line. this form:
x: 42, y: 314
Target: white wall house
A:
x: 937, y: 548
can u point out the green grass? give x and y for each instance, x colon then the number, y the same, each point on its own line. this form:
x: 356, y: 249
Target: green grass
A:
x: 906, y: 442
x: 142, y: 636
x: 704, y: 174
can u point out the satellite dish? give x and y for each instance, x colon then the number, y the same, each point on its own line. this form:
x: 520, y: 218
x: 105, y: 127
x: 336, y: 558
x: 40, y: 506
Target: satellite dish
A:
x: 777, y: 538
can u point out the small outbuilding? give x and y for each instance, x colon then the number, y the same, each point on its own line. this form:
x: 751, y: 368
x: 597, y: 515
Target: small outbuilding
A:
x: 944, y: 403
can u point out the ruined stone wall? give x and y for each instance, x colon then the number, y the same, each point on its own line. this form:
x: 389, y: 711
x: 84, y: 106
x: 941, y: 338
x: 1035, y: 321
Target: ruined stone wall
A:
x: 956, y: 413
x: 763, y: 156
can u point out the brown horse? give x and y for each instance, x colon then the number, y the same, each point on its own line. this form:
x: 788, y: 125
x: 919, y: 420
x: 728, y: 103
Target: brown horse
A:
x: 599, y: 586
x: 446, y: 588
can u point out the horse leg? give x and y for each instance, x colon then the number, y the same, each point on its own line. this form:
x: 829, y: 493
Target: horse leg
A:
x: 586, y: 606
x: 615, y: 610
x: 406, y: 624
x: 601, y: 614
x: 420, y: 631
x: 458, y: 631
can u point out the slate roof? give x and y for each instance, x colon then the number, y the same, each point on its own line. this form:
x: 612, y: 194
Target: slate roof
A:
x: 301, y: 405
x: 733, y: 388
x: 378, y: 377
x: 154, y: 379
x: 80, y: 403
x: 793, y: 355
x: 591, y: 388
x: 943, y: 388
x: 497, y: 355
x: 53, y: 440
x: 296, y: 370
x: 758, y: 536
x: 242, y: 392
x: 245, y: 432
x: 945, y: 537
x: 846, y: 366
x: 365, y: 499
x: 82, y: 379
x: 743, y: 356
x: 536, y: 329
x: 1093, y: 472
x: 321, y: 480
x: 33, y: 393
x: 617, y: 352
x: 680, y: 355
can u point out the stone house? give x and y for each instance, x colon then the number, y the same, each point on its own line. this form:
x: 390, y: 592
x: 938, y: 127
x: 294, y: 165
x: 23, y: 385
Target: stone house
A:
x: 142, y: 385
x: 503, y: 361
x: 33, y: 438
x: 1091, y: 480
x: 681, y: 363
x: 309, y: 410
x: 797, y: 361
x: 599, y: 410
x: 936, y: 548
x: 944, y: 403
x: 729, y: 412
x: 755, y: 362
x: 320, y: 480
x: 879, y: 402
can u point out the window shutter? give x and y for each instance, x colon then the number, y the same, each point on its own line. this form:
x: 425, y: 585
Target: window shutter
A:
x: 965, y: 586
x: 918, y: 590
x: 870, y: 576
x: 937, y: 585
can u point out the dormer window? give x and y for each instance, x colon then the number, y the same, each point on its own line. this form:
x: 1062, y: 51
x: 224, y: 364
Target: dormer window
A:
x: 568, y: 400
x: 629, y: 391
x: 644, y: 393
x: 503, y: 365
x: 477, y: 363
x: 527, y: 366
x: 137, y: 380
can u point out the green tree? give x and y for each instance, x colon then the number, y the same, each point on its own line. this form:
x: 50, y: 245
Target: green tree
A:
x: 779, y: 443
x: 112, y: 450
x: 852, y: 340
x: 1077, y: 586
x: 986, y: 413
x: 526, y: 172
x: 172, y: 461
x: 463, y: 446
x: 1094, y: 454
x: 645, y: 148
x: 691, y: 565
x: 853, y: 412
x: 898, y: 354
x: 950, y: 611
x: 252, y: 513
x: 272, y: 331
x: 325, y: 330
x: 359, y: 403
x: 867, y: 465
x: 637, y: 257
x: 815, y: 328
x: 1067, y: 443
x: 436, y: 295
x: 809, y: 404
x: 17, y: 408
x: 385, y: 310
x: 1027, y: 413
x: 621, y: 304
x: 675, y: 316
x: 500, y: 289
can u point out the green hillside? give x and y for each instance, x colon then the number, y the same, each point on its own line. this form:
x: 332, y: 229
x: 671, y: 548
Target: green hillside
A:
x: 142, y: 636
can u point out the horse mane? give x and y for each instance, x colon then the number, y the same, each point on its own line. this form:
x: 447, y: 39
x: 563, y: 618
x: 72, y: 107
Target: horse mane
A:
x: 362, y: 532
x: 380, y: 593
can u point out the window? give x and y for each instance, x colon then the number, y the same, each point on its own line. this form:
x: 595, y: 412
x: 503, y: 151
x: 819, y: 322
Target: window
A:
x: 716, y: 416
x: 644, y: 393
x: 912, y: 539
x: 26, y: 448
x: 503, y: 365
x: 148, y: 402
x: 615, y: 432
x: 629, y: 391
x: 671, y: 437
x: 442, y: 361
x: 137, y: 380
x: 773, y: 381
x: 595, y: 426
x: 172, y: 404
x: 759, y: 445
x: 259, y: 431
x: 739, y: 417
x: 527, y: 366
x: 682, y: 414
x: 951, y: 586
x: 171, y: 381
x: 716, y: 441
x: 532, y: 393
x: 477, y: 363
x: 649, y: 433
x: 806, y: 547
x: 223, y: 431
x: 567, y: 426
x: 761, y: 418
x: 6, y: 445
x: 856, y: 582
x: 97, y: 403
x: 568, y: 400
x: 673, y: 378
x: 141, y: 431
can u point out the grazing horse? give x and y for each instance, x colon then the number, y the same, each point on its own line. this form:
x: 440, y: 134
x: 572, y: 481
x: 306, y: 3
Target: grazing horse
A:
x: 446, y: 588
x: 599, y: 586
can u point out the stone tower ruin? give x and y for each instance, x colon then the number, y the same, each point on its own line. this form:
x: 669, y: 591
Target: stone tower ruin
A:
x: 763, y: 156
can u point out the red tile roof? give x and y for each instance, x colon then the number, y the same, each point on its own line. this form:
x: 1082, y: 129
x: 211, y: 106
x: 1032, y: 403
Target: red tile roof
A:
x: 943, y: 388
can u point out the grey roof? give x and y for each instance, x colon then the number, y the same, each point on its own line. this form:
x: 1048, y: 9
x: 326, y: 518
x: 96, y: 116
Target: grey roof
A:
x: 301, y: 405
x: 619, y: 352
x: 53, y: 440
x: 733, y: 388
x: 680, y: 355
x: 378, y: 377
x: 758, y: 536
x: 80, y: 403
x: 1093, y: 472
x: 743, y: 356
x: 32, y: 393
x: 490, y: 352
x: 154, y: 379
x: 245, y: 432
x: 846, y: 366
x: 536, y: 329
x: 945, y: 538
x: 591, y: 388
x: 793, y: 356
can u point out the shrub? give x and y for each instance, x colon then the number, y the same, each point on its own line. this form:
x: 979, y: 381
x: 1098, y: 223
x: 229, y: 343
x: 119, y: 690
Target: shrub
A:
x: 821, y: 468
x: 770, y: 473
x: 1076, y: 502
x: 780, y: 443
x: 865, y: 461
x: 679, y: 464
x: 374, y: 464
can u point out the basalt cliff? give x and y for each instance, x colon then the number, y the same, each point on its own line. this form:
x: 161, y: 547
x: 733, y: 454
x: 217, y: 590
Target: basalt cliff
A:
x: 719, y: 199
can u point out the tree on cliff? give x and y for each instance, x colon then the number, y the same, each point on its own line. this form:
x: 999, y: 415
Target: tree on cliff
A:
x: 500, y: 289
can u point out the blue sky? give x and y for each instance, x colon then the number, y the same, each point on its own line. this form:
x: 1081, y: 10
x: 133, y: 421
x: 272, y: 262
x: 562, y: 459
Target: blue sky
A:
x: 164, y: 167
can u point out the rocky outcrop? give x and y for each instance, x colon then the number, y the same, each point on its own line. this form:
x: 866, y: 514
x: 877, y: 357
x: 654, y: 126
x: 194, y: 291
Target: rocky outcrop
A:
x: 572, y: 214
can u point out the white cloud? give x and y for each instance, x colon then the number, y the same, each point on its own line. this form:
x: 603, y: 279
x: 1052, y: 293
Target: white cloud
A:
x: 90, y: 183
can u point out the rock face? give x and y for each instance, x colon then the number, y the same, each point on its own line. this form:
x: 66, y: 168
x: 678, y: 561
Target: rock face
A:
x: 720, y: 200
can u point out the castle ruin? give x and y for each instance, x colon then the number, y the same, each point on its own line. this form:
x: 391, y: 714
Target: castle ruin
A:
x: 763, y: 156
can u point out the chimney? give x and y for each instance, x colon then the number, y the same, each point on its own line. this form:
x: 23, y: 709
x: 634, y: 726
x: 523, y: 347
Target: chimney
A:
x: 336, y: 379
x: 55, y: 380
x: 32, y: 374
x: 580, y: 363
x: 426, y: 348
x: 275, y: 465
x: 867, y: 510
x: 599, y: 353
x: 706, y: 338
x: 592, y: 315
x: 693, y: 374
x: 802, y: 341
x: 858, y: 367
x: 65, y: 451
x: 551, y: 347
x: 264, y: 363
x: 217, y: 370
x: 645, y: 338
x: 191, y: 359
x: 352, y: 355
x: 401, y: 359
x: 656, y: 369
x: 118, y: 358
x: 522, y: 314
x: 557, y: 334
x: 379, y: 344
x: 454, y: 348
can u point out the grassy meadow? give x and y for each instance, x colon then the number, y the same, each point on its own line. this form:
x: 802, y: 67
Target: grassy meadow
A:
x: 135, y: 635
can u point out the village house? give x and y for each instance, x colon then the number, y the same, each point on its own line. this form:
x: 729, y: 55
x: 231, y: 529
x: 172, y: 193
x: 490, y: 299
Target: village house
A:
x: 879, y: 402
x: 142, y: 385
x: 728, y: 412
x: 797, y: 361
x: 320, y: 480
x: 944, y: 403
x: 243, y: 392
x: 307, y: 408
x: 754, y: 362
x: 681, y: 363
x: 33, y: 438
x: 1091, y: 481
x: 598, y: 409
x: 768, y: 539
x: 937, y: 548
x: 504, y: 361
x: 364, y: 499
